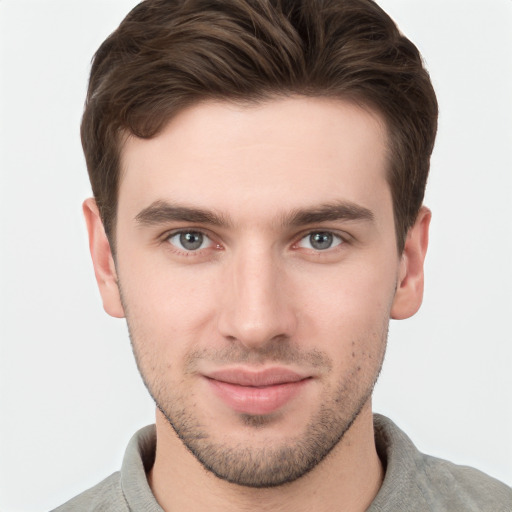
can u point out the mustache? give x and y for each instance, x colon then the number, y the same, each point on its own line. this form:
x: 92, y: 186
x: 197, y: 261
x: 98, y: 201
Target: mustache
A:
x: 279, y: 351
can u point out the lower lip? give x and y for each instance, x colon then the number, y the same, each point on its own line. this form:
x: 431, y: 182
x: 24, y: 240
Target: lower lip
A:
x: 256, y: 400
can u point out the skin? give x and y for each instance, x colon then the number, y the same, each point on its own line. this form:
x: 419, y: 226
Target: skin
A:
x: 257, y: 294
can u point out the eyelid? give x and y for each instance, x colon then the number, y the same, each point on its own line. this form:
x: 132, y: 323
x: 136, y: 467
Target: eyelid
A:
x: 187, y: 229
x: 306, y: 243
x: 342, y: 235
x: 165, y: 238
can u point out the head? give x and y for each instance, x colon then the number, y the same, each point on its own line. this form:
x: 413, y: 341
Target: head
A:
x: 170, y: 54
x: 259, y: 167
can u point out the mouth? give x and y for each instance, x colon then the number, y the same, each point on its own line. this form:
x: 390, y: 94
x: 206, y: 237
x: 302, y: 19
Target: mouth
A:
x: 256, y: 392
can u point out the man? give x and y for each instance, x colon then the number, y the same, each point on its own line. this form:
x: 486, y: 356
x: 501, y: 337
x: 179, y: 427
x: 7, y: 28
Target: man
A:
x: 258, y: 171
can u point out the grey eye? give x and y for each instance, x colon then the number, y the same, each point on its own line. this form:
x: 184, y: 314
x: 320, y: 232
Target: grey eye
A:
x: 320, y: 241
x: 190, y: 240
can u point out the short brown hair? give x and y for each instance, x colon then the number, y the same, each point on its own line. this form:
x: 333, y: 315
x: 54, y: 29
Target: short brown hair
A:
x: 169, y: 54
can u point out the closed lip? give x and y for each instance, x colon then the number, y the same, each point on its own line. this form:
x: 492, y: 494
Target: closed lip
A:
x: 256, y: 378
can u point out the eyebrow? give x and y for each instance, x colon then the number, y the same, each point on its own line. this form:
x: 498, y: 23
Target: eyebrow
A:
x: 339, y: 210
x: 161, y: 212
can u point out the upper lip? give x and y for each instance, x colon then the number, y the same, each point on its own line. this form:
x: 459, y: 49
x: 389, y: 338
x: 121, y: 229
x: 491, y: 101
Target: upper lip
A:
x: 255, y: 378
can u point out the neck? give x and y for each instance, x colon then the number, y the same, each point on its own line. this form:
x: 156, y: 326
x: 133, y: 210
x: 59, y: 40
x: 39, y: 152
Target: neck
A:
x: 348, y: 479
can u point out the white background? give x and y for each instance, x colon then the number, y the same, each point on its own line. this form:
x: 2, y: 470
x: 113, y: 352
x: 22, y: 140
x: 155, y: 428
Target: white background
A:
x: 70, y: 394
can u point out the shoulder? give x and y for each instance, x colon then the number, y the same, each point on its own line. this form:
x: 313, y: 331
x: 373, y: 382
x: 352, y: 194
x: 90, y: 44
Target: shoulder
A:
x: 125, y: 490
x: 423, y: 483
x: 462, y: 486
x: 107, y: 495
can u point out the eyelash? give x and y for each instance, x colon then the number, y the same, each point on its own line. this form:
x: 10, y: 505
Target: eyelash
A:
x: 334, y: 235
x: 342, y: 238
x: 187, y: 252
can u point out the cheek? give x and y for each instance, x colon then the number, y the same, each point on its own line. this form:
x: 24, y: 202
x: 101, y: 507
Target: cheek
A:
x: 166, y: 307
x: 350, y: 313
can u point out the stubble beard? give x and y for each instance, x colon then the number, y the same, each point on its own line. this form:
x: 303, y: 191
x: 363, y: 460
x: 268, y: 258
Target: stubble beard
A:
x: 263, y: 466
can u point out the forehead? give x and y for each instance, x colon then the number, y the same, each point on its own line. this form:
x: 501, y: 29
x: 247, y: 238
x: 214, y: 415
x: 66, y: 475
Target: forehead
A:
x: 270, y: 156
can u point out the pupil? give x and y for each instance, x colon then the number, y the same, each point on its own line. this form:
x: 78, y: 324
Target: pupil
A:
x: 321, y: 240
x: 191, y: 241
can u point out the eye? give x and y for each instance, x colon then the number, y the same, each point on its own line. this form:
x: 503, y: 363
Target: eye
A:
x: 320, y: 241
x: 190, y: 240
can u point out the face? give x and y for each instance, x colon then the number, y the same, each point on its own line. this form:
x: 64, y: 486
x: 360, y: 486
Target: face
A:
x: 257, y: 264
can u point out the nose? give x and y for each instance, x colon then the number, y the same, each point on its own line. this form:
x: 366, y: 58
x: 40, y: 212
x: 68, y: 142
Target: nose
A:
x: 256, y: 304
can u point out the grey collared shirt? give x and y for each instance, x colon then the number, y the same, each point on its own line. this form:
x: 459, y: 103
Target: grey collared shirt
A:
x: 413, y: 481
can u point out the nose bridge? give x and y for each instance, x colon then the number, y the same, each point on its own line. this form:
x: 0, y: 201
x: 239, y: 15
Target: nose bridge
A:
x: 256, y: 308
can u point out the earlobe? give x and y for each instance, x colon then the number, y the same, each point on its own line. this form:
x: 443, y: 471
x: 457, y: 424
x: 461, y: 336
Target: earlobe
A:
x: 103, y: 261
x: 409, y: 292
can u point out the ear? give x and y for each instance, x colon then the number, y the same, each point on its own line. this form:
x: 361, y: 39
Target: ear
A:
x: 103, y: 261
x: 409, y: 292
